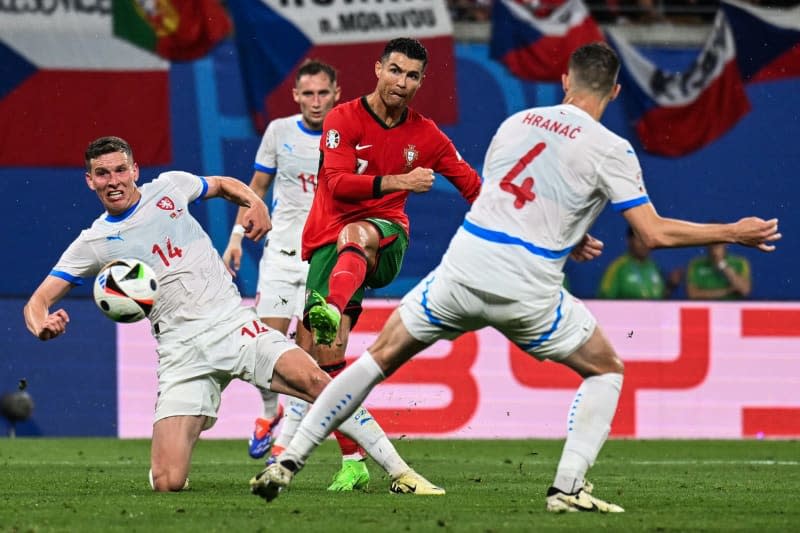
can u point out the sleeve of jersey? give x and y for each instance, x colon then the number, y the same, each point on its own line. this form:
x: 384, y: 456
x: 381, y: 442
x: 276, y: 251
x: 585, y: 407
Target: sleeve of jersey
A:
x: 621, y: 176
x: 339, y: 162
x: 77, y: 263
x: 193, y: 188
x: 266, y: 160
x: 458, y: 172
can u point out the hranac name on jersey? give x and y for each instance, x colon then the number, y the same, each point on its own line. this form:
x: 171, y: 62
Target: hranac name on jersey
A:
x: 538, y: 121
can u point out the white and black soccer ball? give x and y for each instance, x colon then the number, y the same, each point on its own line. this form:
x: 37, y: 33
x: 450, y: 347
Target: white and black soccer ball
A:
x: 125, y: 290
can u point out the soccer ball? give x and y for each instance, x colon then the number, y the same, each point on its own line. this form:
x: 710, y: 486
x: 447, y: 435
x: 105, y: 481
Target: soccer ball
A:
x: 125, y: 290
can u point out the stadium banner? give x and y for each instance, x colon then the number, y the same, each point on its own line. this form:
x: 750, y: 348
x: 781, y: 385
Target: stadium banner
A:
x: 273, y: 37
x: 538, y: 48
x: 692, y: 370
x: 767, y: 38
x: 680, y: 112
x: 178, y: 30
x: 65, y: 79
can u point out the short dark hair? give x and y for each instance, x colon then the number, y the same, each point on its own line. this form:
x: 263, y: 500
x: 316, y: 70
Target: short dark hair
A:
x: 106, y: 145
x: 411, y: 48
x: 312, y: 67
x: 595, y: 67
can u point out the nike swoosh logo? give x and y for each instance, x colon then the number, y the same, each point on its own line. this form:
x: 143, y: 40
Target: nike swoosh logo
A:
x: 362, y: 146
x: 113, y: 238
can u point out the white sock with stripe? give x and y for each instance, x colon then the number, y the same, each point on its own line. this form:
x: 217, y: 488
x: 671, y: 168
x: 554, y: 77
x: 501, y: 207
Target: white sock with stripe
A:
x: 339, y: 406
x: 589, y: 423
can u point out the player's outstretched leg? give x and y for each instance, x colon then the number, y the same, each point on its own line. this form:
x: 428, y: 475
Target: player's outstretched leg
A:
x: 324, y: 319
x: 352, y: 476
x: 410, y: 482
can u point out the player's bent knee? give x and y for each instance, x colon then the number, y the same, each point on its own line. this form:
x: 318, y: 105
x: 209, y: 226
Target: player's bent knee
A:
x: 167, y: 481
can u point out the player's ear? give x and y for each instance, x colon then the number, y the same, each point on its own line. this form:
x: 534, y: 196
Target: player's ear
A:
x: 337, y: 93
x: 378, y: 66
x: 89, y: 182
x: 135, y: 171
x: 615, y: 91
x: 296, y: 95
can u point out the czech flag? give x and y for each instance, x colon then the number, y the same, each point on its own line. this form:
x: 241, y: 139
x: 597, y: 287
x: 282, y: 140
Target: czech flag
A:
x: 274, y: 36
x: 767, y: 40
x: 535, y: 48
x: 65, y: 79
x: 679, y: 112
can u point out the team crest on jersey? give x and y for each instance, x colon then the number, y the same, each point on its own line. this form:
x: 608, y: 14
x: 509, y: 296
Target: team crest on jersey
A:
x: 332, y: 139
x: 166, y: 204
x: 410, y: 154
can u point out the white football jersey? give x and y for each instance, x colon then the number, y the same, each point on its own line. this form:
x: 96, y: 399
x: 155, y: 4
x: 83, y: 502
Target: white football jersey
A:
x: 548, y: 173
x: 290, y: 151
x: 195, y: 289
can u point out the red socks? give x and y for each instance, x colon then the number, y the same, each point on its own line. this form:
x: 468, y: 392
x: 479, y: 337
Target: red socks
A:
x: 347, y: 275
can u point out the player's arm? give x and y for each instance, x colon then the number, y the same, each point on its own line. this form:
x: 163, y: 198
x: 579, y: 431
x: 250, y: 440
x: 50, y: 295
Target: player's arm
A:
x: 660, y: 232
x: 255, y: 218
x: 232, y: 257
x: 452, y: 166
x: 587, y: 249
x: 38, y: 318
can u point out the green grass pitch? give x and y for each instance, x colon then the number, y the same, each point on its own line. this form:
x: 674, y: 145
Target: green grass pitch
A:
x: 101, y: 485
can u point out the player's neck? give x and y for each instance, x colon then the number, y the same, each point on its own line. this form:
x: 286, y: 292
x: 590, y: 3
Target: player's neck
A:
x: 590, y: 104
x: 389, y: 115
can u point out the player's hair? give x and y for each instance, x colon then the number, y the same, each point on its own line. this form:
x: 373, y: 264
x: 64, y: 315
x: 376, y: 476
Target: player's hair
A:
x: 312, y: 67
x: 595, y: 67
x: 106, y: 145
x: 411, y: 48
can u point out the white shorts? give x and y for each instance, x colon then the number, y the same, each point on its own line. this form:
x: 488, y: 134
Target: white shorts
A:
x: 551, y: 328
x: 281, y: 287
x: 193, y: 373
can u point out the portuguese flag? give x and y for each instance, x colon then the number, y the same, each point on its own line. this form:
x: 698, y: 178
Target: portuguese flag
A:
x: 178, y: 30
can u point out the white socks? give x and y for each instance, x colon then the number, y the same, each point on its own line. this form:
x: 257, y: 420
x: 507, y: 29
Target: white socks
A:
x: 588, y: 424
x: 270, y: 402
x: 294, y: 412
x: 340, y: 403
x: 363, y: 429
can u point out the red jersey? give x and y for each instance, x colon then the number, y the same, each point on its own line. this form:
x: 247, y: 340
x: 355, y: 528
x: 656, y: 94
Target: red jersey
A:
x: 356, y: 150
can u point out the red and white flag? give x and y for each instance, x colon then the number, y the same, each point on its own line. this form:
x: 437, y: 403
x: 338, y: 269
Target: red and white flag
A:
x: 767, y: 40
x: 538, y: 48
x: 65, y: 79
x: 679, y: 112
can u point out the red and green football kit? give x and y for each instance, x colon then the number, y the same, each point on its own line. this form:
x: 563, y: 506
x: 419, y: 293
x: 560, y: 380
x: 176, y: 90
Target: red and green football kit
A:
x: 357, y: 150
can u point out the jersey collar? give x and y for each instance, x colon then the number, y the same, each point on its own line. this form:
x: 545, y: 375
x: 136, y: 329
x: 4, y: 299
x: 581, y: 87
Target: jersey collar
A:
x: 128, y: 212
x: 378, y: 119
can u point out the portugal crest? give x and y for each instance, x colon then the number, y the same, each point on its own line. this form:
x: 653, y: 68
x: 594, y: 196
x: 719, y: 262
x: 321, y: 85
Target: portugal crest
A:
x: 410, y: 154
